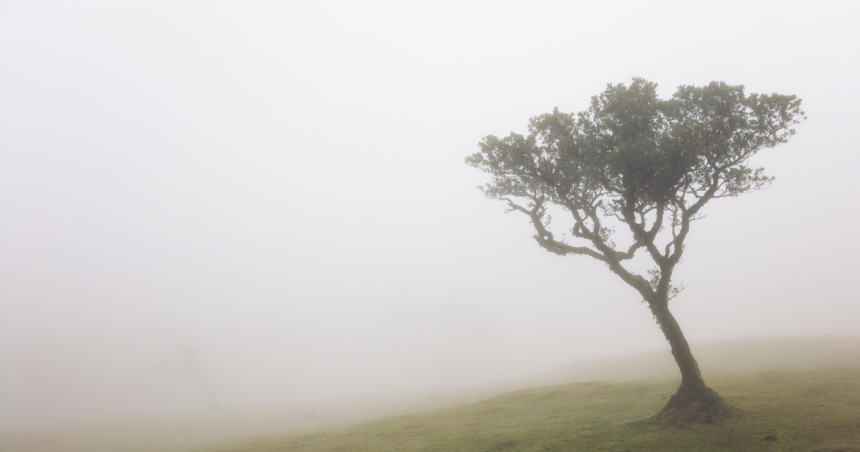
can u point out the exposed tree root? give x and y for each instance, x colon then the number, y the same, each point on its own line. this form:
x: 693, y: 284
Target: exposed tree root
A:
x: 694, y: 405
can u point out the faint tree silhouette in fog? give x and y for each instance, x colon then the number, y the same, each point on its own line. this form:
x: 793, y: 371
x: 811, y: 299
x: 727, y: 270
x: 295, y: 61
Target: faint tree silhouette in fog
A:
x: 191, y: 366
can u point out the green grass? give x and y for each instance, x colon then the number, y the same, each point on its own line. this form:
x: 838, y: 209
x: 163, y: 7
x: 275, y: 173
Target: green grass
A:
x: 806, y: 410
x: 805, y: 391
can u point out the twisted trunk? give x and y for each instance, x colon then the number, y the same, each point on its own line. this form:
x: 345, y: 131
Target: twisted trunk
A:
x: 694, y: 401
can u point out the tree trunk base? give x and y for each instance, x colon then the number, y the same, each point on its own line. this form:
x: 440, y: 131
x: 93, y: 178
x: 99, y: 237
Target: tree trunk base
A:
x: 693, y: 405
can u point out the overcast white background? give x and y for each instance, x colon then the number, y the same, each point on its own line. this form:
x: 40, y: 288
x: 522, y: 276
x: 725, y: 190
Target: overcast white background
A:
x: 280, y: 186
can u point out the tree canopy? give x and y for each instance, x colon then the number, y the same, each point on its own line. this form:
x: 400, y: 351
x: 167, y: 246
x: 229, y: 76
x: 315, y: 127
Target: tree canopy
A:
x: 648, y: 162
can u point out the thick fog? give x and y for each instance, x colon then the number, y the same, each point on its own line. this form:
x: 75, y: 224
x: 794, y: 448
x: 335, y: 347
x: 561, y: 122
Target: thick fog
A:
x: 234, y: 204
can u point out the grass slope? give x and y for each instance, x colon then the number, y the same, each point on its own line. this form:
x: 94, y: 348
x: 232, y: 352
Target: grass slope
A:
x: 805, y: 391
x: 805, y: 409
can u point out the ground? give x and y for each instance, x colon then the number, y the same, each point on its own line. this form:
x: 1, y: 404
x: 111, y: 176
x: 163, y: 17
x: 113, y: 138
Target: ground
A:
x: 807, y: 410
x: 791, y: 393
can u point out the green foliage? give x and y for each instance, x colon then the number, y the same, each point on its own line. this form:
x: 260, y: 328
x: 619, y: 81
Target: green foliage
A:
x: 630, y: 143
x: 649, y: 163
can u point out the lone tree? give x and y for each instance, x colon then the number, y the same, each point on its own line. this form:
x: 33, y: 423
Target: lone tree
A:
x: 647, y: 165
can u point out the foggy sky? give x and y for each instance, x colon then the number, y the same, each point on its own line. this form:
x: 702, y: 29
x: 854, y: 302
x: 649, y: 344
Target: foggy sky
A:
x: 279, y: 187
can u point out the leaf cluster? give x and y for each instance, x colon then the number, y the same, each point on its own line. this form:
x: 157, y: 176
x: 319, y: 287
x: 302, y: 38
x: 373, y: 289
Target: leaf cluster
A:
x: 651, y: 163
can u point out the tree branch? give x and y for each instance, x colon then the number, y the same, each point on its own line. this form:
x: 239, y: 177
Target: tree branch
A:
x: 545, y: 238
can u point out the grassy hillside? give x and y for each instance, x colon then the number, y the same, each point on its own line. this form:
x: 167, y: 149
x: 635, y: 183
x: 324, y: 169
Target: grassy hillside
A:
x: 803, y: 392
x: 812, y: 410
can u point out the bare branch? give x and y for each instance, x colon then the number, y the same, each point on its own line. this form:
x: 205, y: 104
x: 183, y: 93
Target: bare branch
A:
x: 545, y: 238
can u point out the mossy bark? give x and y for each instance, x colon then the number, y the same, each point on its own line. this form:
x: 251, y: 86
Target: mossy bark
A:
x: 694, y: 401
